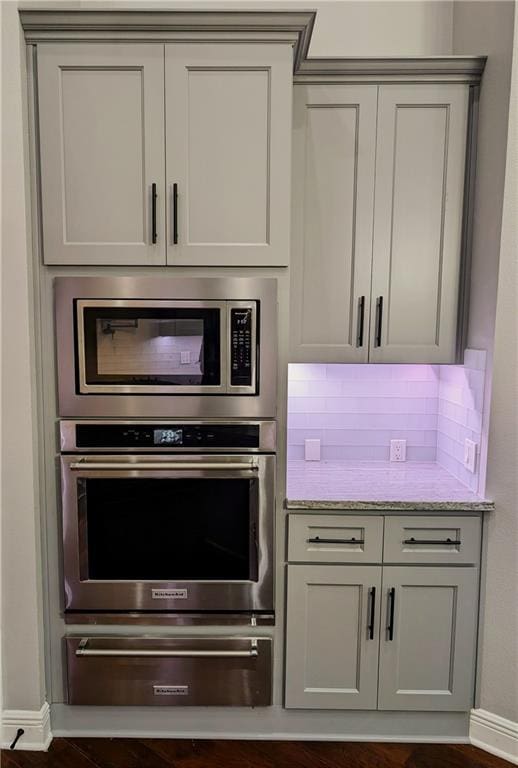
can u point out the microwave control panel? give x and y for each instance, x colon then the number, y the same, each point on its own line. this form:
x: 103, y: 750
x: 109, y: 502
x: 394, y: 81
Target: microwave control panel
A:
x: 241, y: 347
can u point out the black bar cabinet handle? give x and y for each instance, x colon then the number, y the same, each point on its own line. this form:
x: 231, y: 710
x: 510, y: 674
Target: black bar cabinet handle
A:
x: 392, y: 602
x: 153, y: 214
x: 447, y: 542
x: 361, y: 317
x: 175, y: 214
x: 318, y: 540
x: 372, y: 613
x: 379, y: 320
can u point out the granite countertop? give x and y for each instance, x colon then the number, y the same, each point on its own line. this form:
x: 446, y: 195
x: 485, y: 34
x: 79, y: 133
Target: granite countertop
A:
x: 379, y: 485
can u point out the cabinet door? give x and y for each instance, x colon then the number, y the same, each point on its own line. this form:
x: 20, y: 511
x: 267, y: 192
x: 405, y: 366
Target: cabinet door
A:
x: 101, y: 119
x: 228, y: 138
x: 333, y: 188
x: 427, y: 661
x: 331, y: 650
x: 421, y: 141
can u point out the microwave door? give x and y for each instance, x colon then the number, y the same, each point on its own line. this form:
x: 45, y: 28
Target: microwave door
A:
x: 151, y: 347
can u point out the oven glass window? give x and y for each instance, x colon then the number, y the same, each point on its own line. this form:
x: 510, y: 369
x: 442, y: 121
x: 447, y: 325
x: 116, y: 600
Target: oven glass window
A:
x: 168, y: 529
x: 151, y: 346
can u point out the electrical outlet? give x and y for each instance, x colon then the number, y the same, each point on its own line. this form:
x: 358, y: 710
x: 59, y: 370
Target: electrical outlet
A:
x: 398, y: 450
x: 185, y: 357
x: 312, y: 450
x: 470, y: 455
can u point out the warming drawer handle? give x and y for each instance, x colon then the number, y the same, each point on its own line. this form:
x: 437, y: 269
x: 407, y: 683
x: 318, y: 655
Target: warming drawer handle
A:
x: 318, y: 540
x: 82, y: 650
x: 164, y: 465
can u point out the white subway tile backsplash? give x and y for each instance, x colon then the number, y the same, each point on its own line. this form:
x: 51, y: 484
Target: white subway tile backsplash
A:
x: 355, y: 410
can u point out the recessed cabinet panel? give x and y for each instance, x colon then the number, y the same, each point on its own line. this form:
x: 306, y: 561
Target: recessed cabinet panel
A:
x: 418, y: 222
x: 332, y: 652
x: 333, y: 184
x: 102, y: 147
x: 221, y: 166
x: 228, y: 136
x: 427, y: 652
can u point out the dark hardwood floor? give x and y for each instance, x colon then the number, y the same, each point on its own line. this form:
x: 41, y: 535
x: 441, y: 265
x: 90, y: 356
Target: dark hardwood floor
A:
x: 163, y: 753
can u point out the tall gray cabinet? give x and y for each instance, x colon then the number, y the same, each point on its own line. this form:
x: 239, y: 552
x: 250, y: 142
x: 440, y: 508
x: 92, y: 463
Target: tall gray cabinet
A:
x: 382, y: 166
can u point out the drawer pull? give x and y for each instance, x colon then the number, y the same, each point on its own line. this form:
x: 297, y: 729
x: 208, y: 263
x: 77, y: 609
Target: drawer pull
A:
x: 447, y: 542
x: 318, y: 540
x: 82, y: 650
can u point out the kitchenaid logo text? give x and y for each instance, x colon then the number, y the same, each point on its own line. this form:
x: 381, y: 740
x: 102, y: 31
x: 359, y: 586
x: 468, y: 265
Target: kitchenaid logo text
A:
x: 167, y: 594
x: 170, y: 690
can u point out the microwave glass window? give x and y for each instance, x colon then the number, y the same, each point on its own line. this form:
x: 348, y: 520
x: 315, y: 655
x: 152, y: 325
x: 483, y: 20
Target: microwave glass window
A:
x: 152, y: 346
x: 168, y: 530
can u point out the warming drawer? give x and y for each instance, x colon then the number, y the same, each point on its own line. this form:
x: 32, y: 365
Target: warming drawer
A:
x: 136, y: 671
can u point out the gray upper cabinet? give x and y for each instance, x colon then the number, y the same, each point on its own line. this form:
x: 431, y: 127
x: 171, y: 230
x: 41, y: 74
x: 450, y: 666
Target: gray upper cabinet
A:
x: 212, y: 131
x: 101, y: 126
x: 420, y: 160
x: 377, y: 222
x: 228, y: 139
x: 427, y: 654
x: 334, y: 146
x: 332, y: 637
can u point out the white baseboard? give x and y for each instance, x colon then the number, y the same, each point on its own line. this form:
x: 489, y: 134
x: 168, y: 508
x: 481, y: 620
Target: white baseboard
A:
x: 495, y: 734
x: 36, y: 726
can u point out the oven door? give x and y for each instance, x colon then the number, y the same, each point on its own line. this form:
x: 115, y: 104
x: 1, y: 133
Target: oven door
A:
x: 168, y: 532
x: 151, y: 347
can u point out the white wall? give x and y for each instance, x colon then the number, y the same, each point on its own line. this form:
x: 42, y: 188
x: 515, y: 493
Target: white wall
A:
x: 499, y: 686
x: 22, y: 646
x: 381, y: 28
x: 487, y: 27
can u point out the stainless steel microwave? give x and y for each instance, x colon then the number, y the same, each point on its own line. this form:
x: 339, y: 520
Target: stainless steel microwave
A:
x: 169, y: 346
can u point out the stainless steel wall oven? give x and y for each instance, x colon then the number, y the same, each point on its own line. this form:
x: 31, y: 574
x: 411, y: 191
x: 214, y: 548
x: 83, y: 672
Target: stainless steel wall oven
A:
x: 168, y: 516
x: 157, y: 347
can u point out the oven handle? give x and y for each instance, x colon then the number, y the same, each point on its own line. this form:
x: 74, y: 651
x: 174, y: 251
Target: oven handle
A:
x: 84, y: 651
x: 165, y: 465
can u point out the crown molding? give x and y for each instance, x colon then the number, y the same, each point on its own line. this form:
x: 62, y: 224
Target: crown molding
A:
x: 51, y: 24
x: 454, y: 68
x: 294, y: 27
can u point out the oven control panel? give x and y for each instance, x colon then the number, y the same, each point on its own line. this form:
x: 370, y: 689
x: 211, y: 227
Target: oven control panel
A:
x: 185, y: 435
x: 241, y: 347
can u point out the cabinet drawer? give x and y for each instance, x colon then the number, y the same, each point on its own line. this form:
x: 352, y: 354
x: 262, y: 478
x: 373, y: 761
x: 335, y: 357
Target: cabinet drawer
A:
x: 164, y: 671
x: 334, y: 539
x: 432, y: 540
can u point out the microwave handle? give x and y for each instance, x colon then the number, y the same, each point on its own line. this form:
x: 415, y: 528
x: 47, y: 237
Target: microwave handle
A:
x: 165, y: 465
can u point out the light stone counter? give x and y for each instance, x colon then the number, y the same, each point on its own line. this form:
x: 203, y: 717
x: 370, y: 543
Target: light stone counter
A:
x: 378, y: 485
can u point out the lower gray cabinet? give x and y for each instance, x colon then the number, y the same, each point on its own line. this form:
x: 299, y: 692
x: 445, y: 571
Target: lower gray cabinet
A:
x: 427, y: 645
x: 332, y: 636
x: 425, y: 639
